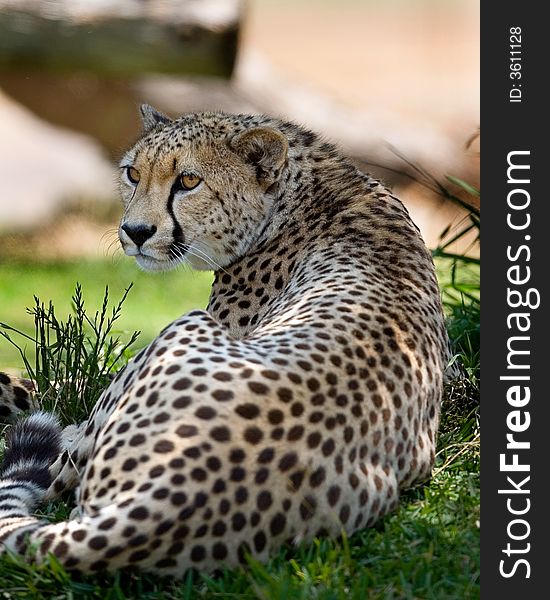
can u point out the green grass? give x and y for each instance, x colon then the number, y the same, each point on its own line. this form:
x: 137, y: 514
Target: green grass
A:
x: 154, y: 301
x: 428, y: 549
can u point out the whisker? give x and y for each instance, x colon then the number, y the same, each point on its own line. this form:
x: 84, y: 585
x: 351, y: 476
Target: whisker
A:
x: 114, y: 243
x: 179, y: 250
x: 193, y: 249
x: 112, y: 231
x: 206, y: 259
x: 177, y: 258
x: 112, y: 248
x: 110, y: 240
x: 116, y: 258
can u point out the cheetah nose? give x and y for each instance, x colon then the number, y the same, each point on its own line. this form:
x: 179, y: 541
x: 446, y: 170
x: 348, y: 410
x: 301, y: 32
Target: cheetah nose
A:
x: 139, y: 234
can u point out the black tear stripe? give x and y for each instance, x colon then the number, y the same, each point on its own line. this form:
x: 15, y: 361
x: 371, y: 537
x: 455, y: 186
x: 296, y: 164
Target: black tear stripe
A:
x: 177, y: 232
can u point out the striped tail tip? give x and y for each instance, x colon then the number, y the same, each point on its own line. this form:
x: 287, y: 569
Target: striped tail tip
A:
x: 32, y: 446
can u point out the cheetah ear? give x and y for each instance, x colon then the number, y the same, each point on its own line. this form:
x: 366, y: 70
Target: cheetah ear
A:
x: 152, y: 117
x: 265, y: 149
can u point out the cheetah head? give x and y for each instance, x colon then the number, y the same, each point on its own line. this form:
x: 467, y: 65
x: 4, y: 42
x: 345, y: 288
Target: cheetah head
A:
x: 197, y: 189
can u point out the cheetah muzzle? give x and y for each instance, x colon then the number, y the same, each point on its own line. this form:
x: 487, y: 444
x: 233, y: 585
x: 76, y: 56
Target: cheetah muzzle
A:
x: 298, y: 404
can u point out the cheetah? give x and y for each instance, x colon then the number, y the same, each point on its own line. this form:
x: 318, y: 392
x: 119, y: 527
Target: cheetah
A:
x: 298, y: 404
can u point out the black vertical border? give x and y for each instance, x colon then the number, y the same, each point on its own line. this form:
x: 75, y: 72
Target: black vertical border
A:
x: 514, y: 126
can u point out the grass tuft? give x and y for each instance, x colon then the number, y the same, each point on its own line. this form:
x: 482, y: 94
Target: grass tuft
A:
x: 74, y: 358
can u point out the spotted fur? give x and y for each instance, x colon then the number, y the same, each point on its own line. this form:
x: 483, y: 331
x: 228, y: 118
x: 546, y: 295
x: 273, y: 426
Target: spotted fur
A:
x: 298, y: 404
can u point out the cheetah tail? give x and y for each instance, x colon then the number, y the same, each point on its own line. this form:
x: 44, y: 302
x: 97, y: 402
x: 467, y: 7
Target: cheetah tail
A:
x: 31, y: 447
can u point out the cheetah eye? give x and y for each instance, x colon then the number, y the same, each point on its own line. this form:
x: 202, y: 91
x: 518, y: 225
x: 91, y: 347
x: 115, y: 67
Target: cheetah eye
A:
x: 189, y: 181
x: 133, y: 175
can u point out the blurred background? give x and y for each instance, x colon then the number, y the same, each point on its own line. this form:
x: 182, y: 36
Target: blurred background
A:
x: 395, y: 83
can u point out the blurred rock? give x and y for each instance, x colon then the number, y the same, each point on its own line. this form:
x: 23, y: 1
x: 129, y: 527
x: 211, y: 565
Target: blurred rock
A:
x: 45, y: 167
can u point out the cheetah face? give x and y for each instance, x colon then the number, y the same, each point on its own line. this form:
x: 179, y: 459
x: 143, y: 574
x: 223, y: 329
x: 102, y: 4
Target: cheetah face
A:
x: 195, y: 194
